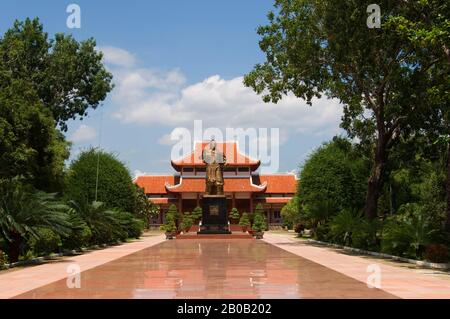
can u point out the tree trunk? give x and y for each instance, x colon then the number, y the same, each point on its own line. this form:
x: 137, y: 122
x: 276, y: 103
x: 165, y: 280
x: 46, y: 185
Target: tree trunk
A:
x: 375, y: 180
x: 14, y: 247
x: 447, y: 190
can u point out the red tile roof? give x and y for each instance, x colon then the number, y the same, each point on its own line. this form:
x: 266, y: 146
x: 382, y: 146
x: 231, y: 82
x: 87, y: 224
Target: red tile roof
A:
x: 197, y: 185
x: 275, y: 184
x: 277, y: 200
x: 282, y: 183
x: 161, y: 200
x: 230, y: 149
x: 153, y: 184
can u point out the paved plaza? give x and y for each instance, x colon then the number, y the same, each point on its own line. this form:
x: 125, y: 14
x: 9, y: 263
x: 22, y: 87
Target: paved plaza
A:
x: 276, y: 267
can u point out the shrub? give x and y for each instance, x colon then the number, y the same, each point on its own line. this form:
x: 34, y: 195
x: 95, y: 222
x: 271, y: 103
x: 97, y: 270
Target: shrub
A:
x: 244, y: 221
x: 187, y: 222
x: 291, y: 213
x: 343, y: 225
x: 46, y: 242
x: 169, y: 225
x: 3, y: 258
x: 259, y: 224
x: 437, y: 253
x: 196, y: 214
x: 408, y: 233
x: 115, y: 185
x: 234, y: 215
x: 80, y: 235
x: 322, y: 232
x: 131, y: 227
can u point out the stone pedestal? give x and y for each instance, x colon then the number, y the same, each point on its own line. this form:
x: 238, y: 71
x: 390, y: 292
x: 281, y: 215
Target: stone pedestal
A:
x: 214, y: 215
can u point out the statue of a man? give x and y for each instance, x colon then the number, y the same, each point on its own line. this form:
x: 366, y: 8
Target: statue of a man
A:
x: 215, y: 161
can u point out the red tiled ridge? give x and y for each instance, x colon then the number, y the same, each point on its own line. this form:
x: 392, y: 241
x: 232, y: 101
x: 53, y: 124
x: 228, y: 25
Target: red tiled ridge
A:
x: 277, y: 200
x: 197, y: 185
x: 230, y: 149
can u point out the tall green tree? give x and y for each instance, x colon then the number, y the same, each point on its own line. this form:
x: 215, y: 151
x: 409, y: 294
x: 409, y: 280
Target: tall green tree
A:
x: 29, y: 143
x: 43, y: 83
x: 324, y: 47
x: 425, y: 26
x: 111, y: 184
x: 332, y: 179
x: 68, y: 76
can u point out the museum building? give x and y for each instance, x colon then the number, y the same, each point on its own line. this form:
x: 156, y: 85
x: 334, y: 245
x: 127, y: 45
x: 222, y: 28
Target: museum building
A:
x: 244, y: 187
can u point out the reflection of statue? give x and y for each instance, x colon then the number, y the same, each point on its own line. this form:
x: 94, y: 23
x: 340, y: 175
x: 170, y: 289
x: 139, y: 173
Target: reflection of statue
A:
x: 215, y: 161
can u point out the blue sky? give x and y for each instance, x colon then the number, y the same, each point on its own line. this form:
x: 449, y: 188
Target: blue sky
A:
x: 175, y: 62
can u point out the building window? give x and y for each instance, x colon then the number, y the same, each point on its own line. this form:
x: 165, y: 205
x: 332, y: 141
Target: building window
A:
x: 276, y: 214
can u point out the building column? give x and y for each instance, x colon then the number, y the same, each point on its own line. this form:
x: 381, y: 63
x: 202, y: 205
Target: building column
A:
x: 270, y: 214
x: 180, y: 204
x: 251, y: 203
x: 198, y: 199
x: 233, y: 200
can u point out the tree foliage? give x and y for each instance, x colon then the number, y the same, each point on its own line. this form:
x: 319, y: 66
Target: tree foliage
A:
x: 68, y: 76
x: 115, y: 186
x: 332, y: 179
x: 316, y: 47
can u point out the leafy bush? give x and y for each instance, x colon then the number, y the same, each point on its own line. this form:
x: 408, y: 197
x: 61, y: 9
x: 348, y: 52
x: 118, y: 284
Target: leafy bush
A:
x: 259, y: 224
x: 23, y: 210
x: 130, y: 226
x: 333, y: 178
x: 169, y: 225
x: 244, y: 221
x: 80, y: 235
x: 291, y: 213
x: 45, y: 242
x: 437, y: 253
x: 196, y: 214
x: 115, y: 185
x: 408, y: 233
x: 187, y: 221
x: 342, y: 226
x: 234, y: 214
x: 3, y: 258
x: 352, y: 229
x: 322, y: 232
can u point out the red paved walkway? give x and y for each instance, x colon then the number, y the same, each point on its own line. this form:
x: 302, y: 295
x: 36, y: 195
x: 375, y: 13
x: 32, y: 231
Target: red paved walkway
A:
x: 220, y: 268
x: 399, y: 280
x: 217, y: 268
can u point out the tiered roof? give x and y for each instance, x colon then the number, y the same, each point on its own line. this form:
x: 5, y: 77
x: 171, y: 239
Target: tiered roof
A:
x: 230, y: 149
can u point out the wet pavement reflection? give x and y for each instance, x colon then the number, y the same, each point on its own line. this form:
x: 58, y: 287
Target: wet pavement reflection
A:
x: 216, y: 268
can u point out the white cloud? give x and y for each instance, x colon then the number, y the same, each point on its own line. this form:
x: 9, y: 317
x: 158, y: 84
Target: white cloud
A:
x: 148, y: 96
x: 83, y: 133
x: 117, y: 56
x: 218, y: 102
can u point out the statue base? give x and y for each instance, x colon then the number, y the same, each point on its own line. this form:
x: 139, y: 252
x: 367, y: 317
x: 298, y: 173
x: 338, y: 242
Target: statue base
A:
x: 214, y: 215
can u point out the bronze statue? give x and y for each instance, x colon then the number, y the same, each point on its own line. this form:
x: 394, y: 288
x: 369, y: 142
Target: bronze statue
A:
x: 215, y: 161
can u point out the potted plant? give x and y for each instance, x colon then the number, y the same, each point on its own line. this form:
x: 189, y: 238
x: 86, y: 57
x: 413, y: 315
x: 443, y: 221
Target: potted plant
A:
x: 196, y: 214
x: 187, y: 222
x: 169, y: 227
x: 244, y: 222
x: 234, y: 216
x: 259, y: 225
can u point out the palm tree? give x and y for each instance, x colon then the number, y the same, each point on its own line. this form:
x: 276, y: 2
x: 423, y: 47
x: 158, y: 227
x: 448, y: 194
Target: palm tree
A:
x: 23, y: 210
x: 103, y: 222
